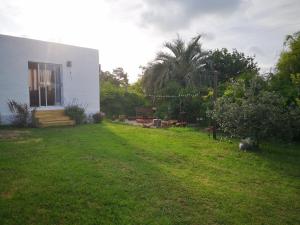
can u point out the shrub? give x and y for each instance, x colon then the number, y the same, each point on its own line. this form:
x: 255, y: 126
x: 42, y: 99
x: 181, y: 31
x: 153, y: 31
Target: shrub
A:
x: 76, y: 113
x: 21, y: 113
x: 98, y: 117
x: 116, y: 101
x: 257, y: 113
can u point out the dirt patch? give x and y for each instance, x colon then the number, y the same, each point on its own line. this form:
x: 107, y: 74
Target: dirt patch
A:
x: 12, y: 134
x: 7, y: 195
x: 29, y: 140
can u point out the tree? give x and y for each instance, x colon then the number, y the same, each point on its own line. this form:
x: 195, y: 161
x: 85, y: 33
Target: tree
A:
x: 136, y: 87
x: 117, y: 97
x: 121, y: 76
x: 230, y: 64
x: 118, y: 77
x: 249, y: 110
x: 181, y: 63
x: 286, y: 80
x: 109, y: 77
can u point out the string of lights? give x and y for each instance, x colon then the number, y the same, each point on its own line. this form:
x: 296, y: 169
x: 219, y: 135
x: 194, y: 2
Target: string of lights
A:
x: 176, y: 96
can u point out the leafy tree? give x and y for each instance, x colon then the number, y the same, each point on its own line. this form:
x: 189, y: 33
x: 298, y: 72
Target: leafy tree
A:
x: 109, y: 77
x: 286, y: 80
x: 121, y: 76
x: 187, y: 68
x: 136, y: 87
x: 230, y: 64
x: 117, y: 97
x: 249, y: 110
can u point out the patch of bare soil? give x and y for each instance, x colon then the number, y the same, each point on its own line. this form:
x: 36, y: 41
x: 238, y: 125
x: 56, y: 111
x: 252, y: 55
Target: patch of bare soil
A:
x: 12, y: 134
x: 7, y: 195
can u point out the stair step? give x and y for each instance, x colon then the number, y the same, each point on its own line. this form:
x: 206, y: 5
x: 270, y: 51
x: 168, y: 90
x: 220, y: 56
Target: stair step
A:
x: 49, y: 112
x: 54, y: 120
x: 42, y: 118
x: 49, y: 118
x: 57, y: 123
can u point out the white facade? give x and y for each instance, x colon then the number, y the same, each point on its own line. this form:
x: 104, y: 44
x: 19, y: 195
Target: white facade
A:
x: 79, y: 73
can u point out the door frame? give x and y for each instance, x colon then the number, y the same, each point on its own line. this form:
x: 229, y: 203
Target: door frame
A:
x: 46, y: 106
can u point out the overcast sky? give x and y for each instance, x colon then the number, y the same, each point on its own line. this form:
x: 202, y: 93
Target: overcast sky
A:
x: 128, y: 33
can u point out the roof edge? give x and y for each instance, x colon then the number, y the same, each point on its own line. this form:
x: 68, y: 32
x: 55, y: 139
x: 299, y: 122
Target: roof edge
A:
x: 46, y: 42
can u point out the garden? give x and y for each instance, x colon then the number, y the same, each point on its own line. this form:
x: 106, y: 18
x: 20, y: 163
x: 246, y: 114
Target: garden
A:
x: 219, y: 90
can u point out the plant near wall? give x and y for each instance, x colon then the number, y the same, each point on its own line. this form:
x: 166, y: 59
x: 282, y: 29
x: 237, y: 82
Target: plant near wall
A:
x: 76, y: 113
x: 98, y: 117
x: 21, y: 113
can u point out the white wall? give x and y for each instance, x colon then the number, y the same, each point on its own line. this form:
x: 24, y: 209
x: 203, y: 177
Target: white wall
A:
x: 80, y: 82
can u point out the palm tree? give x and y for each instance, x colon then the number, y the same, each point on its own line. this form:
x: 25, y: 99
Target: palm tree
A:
x: 182, y: 63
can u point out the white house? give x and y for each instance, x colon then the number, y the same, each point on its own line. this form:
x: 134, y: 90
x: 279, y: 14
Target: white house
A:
x: 47, y: 76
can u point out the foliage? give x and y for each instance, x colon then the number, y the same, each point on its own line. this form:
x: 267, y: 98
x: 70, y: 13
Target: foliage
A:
x: 76, y: 113
x: 289, y: 59
x: 117, y: 174
x: 286, y: 80
x: 106, y: 76
x: 98, y: 117
x: 21, y: 113
x: 187, y: 68
x: 118, y: 99
x: 181, y: 63
x: 188, y: 108
x: 230, y: 64
x: 118, y: 77
x: 252, y: 111
x: 136, y: 88
x: 121, y: 76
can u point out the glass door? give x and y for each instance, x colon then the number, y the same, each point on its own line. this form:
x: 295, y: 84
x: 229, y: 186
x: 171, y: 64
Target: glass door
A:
x: 44, y: 84
x: 34, y: 88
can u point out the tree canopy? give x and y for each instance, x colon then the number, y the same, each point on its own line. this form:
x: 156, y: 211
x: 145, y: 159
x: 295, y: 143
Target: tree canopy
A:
x: 259, y: 108
x: 117, y: 97
x: 231, y: 64
x: 286, y: 79
x: 186, y: 68
x: 187, y: 65
x: 182, y: 64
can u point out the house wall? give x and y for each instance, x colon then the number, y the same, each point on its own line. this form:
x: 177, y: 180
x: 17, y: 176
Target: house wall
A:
x: 80, y: 82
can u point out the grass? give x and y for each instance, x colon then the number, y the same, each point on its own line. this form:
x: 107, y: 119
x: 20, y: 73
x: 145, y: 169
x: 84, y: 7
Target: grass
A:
x: 118, y: 174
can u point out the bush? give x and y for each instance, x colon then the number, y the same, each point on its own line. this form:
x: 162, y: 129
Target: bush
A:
x: 116, y: 100
x: 21, y: 113
x: 257, y: 113
x: 76, y: 113
x: 98, y: 117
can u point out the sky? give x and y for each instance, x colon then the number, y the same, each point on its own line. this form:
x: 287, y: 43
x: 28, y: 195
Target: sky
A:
x: 129, y: 33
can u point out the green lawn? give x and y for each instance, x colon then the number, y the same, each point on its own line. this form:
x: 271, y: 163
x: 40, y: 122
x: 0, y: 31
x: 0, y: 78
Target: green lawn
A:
x: 118, y: 174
